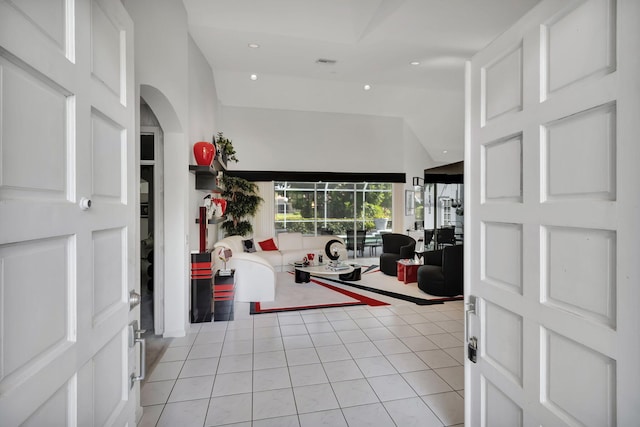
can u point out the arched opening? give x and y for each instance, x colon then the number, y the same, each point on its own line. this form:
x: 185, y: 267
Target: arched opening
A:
x: 169, y: 259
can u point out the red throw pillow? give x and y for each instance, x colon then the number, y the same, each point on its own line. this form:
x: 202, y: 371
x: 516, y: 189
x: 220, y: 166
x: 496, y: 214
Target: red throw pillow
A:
x: 268, y: 245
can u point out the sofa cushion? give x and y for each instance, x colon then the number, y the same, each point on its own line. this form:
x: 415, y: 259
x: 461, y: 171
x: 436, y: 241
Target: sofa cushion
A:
x: 249, y: 245
x: 289, y: 241
x: 268, y: 245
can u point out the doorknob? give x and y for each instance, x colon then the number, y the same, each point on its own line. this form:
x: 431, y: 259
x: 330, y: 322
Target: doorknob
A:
x: 134, y: 299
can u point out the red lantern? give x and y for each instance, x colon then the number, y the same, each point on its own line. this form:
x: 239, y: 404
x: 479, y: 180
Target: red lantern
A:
x: 204, y: 152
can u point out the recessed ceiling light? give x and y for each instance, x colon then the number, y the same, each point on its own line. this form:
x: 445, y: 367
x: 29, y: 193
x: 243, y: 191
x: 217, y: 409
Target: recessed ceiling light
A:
x: 253, y: 45
x: 444, y: 151
x: 326, y: 61
x: 367, y: 87
x: 254, y: 77
x: 415, y: 63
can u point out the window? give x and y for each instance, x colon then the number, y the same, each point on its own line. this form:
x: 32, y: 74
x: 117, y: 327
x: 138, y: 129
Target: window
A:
x: 331, y: 208
x: 446, y: 211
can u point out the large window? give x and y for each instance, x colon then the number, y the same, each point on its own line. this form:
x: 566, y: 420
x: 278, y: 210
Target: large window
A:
x: 332, y: 208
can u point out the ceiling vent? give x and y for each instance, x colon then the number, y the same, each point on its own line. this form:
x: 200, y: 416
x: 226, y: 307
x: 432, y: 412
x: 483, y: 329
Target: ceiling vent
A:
x: 326, y: 61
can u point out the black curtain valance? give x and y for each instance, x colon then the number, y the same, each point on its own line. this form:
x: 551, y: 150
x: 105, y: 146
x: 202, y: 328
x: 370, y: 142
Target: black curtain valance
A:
x: 452, y: 173
x: 318, y: 176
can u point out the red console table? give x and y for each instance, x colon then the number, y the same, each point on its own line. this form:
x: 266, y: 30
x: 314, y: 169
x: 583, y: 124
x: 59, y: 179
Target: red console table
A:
x: 408, y: 270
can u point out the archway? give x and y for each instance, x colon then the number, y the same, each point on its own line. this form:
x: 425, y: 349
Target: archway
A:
x: 171, y: 254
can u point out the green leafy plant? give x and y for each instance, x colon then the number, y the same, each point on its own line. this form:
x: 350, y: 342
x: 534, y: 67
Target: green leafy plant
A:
x: 243, y: 201
x: 226, y: 147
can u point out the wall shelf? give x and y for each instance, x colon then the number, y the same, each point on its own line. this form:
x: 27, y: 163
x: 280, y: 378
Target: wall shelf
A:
x: 205, y: 178
x: 206, y: 175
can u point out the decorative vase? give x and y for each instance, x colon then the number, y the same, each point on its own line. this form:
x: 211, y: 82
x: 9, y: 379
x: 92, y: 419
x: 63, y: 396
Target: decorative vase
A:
x: 203, y: 152
x: 223, y: 205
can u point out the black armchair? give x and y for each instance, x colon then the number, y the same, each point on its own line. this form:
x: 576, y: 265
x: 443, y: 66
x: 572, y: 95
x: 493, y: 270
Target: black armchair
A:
x: 443, y: 272
x: 395, y: 246
x: 445, y: 236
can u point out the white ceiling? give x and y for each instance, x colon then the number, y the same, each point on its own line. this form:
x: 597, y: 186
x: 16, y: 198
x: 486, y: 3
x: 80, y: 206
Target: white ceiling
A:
x: 373, y: 42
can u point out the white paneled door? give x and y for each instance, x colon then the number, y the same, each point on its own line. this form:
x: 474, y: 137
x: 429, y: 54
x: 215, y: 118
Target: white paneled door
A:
x: 67, y: 215
x: 553, y: 211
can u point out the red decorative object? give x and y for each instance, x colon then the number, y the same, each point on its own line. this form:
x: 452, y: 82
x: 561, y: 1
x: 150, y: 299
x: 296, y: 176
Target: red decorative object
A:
x: 222, y: 203
x: 204, y: 152
x: 407, y: 271
x: 268, y: 245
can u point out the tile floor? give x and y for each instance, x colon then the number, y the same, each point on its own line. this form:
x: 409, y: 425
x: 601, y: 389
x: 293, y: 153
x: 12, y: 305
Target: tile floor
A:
x: 397, y: 365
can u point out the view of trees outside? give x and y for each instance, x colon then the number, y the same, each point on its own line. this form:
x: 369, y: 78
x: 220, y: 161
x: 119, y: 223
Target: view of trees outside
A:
x: 332, y: 208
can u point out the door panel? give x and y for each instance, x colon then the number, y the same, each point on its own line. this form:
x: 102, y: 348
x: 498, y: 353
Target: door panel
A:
x: 502, y: 170
x: 66, y: 128
x: 578, y: 383
x: 31, y: 94
x: 551, y: 228
x: 585, y: 144
x: 498, y: 409
x: 49, y: 18
x: 581, y: 42
x: 109, y: 281
x: 586, y: 289
x: 502, y: 85
x: 108, y: 146
x: 502, y: 269
x: 25, y: 347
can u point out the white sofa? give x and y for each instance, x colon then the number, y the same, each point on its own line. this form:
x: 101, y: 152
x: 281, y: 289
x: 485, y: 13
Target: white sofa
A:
x: 255, y: 274
x: 255, y: 278
x: 291, y: 247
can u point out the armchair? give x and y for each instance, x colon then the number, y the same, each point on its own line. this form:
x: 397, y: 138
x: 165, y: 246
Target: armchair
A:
x: 442, y: 273
x: 395, y: 246
x: 445, y: 236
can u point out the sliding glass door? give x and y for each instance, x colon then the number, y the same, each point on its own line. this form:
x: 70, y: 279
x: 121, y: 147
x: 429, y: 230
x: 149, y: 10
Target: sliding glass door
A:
x: 332, y: 208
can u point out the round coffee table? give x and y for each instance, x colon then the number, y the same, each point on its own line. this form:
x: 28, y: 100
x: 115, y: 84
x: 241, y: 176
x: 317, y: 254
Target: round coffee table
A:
x: 303, y: 273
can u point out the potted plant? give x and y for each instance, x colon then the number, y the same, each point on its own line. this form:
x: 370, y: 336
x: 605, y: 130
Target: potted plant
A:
x: 242, y: 202
x: 225, y: 148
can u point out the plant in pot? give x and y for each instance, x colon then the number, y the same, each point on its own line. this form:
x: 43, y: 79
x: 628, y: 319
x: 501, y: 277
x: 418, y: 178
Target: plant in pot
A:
x: 225, y: 148
x: 243, y: 201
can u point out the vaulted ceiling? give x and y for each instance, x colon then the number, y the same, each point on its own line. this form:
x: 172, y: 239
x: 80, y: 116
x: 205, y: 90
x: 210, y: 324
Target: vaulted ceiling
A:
x: 373, y: 42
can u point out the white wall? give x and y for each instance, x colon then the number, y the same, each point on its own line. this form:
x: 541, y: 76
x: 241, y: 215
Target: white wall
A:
x: 178, y: 86
x: 203, y: 107
x: 267, y: 139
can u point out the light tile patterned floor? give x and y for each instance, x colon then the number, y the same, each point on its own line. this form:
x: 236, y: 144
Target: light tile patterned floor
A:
x: 398, y: 365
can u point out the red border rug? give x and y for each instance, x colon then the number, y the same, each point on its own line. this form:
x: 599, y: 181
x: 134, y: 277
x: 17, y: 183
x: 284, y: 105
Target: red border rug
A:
x: 255, y: 307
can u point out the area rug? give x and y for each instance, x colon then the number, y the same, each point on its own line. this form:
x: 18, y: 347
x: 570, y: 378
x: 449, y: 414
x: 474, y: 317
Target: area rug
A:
x: 376, y: 282
x: 374, y: 288
x: 318, y: 293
